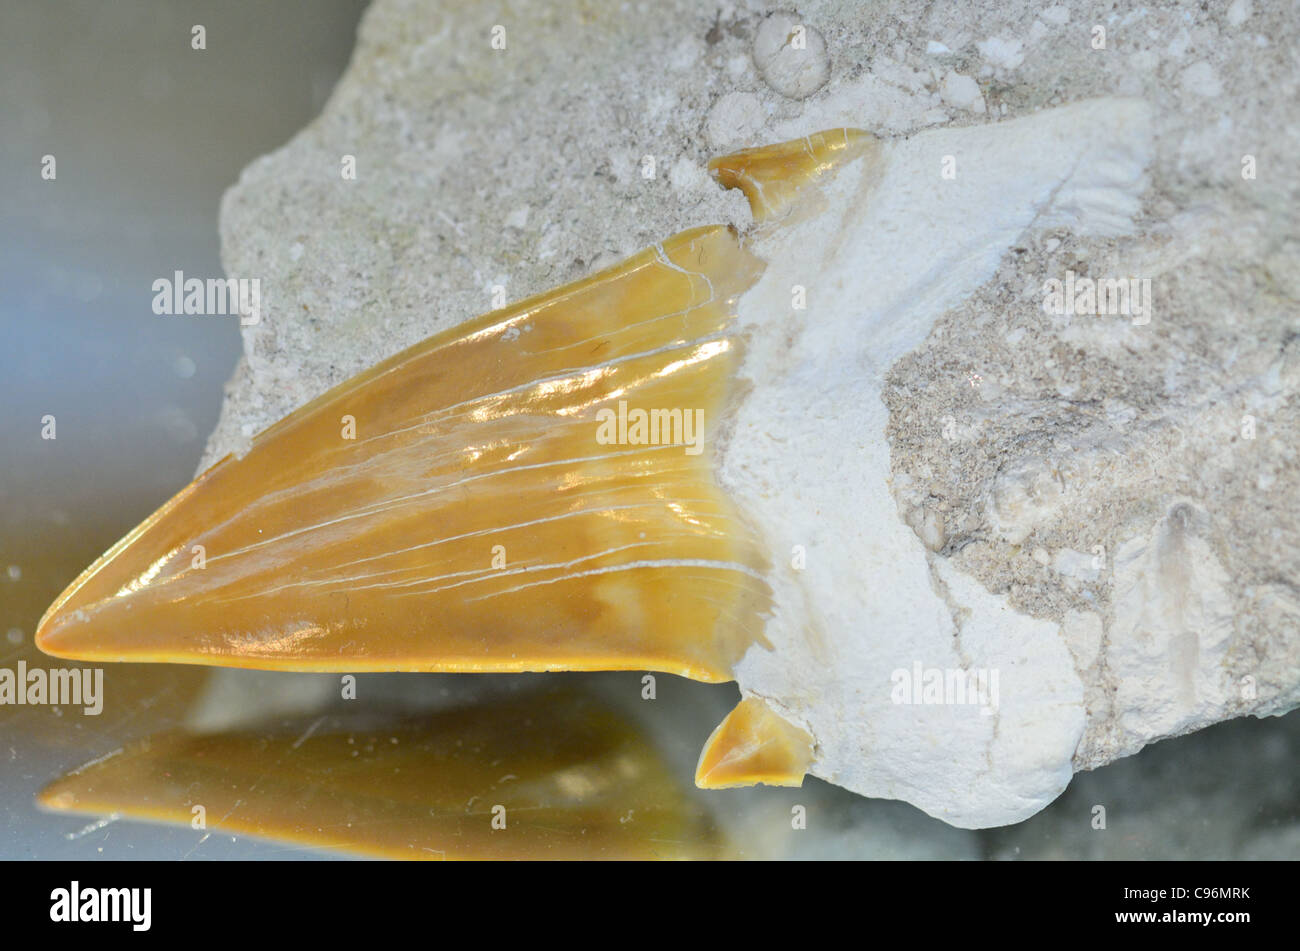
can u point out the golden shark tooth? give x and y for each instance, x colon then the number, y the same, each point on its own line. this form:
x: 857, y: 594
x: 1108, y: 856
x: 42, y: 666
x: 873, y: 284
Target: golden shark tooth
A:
x: 502, y: 507
x: 551, y: 775
x: 773, y: 176
x: 754, y: 745
x: 531, y: 490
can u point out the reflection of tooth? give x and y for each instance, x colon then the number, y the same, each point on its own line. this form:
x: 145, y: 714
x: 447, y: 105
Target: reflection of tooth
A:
x: 574, y: 780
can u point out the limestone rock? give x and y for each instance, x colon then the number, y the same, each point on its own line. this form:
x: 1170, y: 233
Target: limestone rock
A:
x: 1102, y: 503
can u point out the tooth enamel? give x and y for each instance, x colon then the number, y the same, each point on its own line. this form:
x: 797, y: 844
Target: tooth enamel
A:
x: 468, y: 515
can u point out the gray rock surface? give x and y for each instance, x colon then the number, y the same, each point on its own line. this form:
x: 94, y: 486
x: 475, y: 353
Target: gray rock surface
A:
x: 1133, y: 481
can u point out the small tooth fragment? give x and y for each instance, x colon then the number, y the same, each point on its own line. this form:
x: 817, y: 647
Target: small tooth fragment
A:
x: 771, y: 176
x: 488, y: 500
x: 754, y: 745
x: 551, y: 775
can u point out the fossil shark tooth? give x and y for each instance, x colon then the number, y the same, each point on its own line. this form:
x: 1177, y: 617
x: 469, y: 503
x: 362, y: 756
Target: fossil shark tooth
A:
x: 497, y: 510
x: 550, y: 774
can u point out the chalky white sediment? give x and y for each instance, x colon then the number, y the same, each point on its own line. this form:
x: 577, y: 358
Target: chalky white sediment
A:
x: 805, y: 456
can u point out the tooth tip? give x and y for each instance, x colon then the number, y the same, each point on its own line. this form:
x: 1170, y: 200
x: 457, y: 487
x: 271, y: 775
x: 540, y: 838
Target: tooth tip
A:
x: 56, y: 634
x: 68, y: 635
x: 53, y: 798
x: 45, y: 637
x: 64, y: 630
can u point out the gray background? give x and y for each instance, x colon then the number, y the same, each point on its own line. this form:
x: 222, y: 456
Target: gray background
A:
x: 147, y: 134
